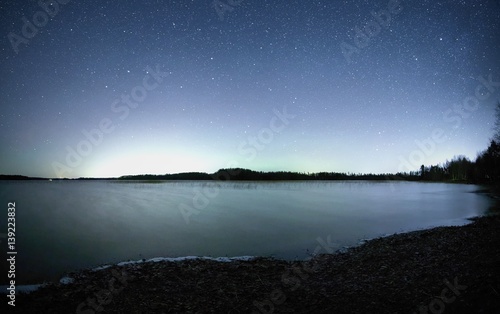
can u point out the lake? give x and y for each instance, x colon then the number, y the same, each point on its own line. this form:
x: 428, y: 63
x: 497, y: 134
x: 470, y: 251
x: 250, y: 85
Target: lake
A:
x: 67, y: 225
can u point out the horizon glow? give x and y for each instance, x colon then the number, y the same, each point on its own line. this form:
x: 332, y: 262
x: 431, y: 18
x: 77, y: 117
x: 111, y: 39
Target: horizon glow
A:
x: 105, y: 90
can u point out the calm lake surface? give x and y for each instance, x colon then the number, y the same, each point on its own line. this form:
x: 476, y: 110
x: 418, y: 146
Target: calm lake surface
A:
x: 67, y: 225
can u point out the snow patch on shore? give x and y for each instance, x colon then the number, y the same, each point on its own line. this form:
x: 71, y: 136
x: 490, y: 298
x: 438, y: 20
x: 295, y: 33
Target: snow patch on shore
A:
x: 66, y: 280
x: 21, y: 288
x: 183, y: 258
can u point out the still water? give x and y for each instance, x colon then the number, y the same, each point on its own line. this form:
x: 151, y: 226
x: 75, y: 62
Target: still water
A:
x: 67, y: 225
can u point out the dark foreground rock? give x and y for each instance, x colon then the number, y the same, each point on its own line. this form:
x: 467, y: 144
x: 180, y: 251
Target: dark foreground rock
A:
x: 441, y: 270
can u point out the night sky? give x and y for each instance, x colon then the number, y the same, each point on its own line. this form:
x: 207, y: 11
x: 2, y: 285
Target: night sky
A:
x: 108, y: 88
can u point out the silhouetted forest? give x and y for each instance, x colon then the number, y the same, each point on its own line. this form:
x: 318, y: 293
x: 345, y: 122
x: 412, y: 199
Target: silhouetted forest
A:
x: 18, y: 177
x: 175, y: 176
x: 240, y: 174
x: 484, y: 170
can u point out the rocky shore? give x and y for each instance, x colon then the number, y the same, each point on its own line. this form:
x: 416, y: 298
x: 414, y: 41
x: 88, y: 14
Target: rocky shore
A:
x: 441, y: 270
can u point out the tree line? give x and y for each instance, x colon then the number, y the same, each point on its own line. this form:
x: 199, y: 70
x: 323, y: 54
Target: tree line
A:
x: 484, y: 170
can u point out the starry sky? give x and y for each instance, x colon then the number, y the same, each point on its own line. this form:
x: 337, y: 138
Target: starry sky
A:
x: 109, y: 88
